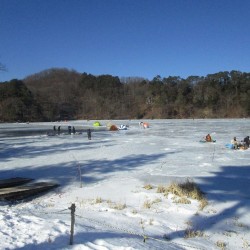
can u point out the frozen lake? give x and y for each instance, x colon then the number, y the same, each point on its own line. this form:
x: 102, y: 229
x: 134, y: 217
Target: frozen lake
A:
x: 115, y: 166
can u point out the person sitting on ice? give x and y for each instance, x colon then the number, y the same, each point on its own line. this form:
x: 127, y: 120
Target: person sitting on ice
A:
x: 246, y: 142
x: 235, y: 143
x: 208, y: 138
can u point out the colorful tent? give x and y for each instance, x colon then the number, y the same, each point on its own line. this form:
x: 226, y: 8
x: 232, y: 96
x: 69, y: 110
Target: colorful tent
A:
x: 96, y: 124
x: 113, y: 128
x: 123, y: 127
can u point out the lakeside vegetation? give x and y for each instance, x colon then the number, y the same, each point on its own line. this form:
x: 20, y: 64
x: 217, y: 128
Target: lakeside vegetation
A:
x: 62, y: 94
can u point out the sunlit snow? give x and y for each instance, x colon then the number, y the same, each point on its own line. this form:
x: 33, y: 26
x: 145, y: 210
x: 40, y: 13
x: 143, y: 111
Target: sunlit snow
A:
x: 105, y: 178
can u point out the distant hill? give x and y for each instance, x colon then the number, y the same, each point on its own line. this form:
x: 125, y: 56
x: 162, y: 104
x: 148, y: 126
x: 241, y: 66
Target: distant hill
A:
x: 62, y: 94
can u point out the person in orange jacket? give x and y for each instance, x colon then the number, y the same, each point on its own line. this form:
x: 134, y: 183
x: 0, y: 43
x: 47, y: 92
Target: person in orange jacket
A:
x: 208, y: 138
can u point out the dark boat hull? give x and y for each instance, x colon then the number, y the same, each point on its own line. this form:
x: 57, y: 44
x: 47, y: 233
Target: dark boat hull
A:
x: 25, y: 191
x: 12, y: 182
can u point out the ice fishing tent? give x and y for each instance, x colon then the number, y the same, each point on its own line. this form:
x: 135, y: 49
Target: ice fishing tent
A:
x: 123, y: 127
x: 113, y: 128
x: 96, y: 124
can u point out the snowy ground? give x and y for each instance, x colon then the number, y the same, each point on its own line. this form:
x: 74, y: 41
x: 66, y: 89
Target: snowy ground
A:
x: 105, y: 179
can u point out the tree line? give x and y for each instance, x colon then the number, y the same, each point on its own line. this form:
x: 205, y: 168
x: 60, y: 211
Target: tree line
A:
x: 62, y: 94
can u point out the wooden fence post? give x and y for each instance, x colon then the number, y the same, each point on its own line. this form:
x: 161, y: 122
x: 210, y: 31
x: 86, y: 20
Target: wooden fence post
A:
x: 73, y: 209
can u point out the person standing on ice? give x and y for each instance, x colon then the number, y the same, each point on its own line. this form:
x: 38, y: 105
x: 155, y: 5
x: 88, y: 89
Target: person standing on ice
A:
x: 69, y: 130
x: 89, y: 134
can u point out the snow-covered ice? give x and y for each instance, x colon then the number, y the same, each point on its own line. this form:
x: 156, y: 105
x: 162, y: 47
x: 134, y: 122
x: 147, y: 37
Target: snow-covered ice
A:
x: 105, y: 178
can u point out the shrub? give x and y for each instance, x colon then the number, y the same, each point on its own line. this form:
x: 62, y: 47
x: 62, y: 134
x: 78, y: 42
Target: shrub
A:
x: 148, y: 187
x: 117, y: 206
x: 221, y: 244
x: 187, y: 189
x: 147, y: 204
x: 182, y: 200
x: 161, y: 189
x: 98, y: 200
x: 189, y: 233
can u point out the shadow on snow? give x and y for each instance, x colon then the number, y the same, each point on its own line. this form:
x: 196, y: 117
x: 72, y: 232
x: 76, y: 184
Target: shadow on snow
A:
x: 92, y: 171
x: 230, y: 187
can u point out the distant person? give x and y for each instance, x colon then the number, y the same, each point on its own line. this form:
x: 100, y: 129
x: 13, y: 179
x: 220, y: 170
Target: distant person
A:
x: 54, y: 128
x: 69, y: 130
x: 208, y: 138
x: 246, y: 142
x: 235, y: 143
x: 89, y: 134
x: 59, y: 130
x: 73, y: 129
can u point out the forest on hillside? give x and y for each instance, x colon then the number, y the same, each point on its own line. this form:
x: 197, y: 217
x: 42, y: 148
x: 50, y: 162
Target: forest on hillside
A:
x: 62, y: 94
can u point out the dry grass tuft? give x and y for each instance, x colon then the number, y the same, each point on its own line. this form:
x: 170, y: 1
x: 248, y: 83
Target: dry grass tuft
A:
x: 134, y: 211
x: 187, y: 189
x: 117, y: 206
x: 246, y: 245
x: 98, y: 200
x: 147, y: 204
x: 189, y: 233
x: 203, y: 203
x: 157, y: 200
x: 221, y: 244
x: 182, y: 200
x: 151, y: 222
x: 148, y: 186
x: 161, y: 189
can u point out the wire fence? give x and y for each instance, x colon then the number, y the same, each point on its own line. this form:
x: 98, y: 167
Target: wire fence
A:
x: 70, y: 211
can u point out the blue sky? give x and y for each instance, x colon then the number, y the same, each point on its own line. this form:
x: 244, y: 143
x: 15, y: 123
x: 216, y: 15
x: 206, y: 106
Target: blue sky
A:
x: 140, y: 38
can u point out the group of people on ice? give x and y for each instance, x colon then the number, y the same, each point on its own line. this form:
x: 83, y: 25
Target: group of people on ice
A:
x: 235, y: 144
x: 57, y: 129
x: 244, y: 144
x: 71, y: 130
